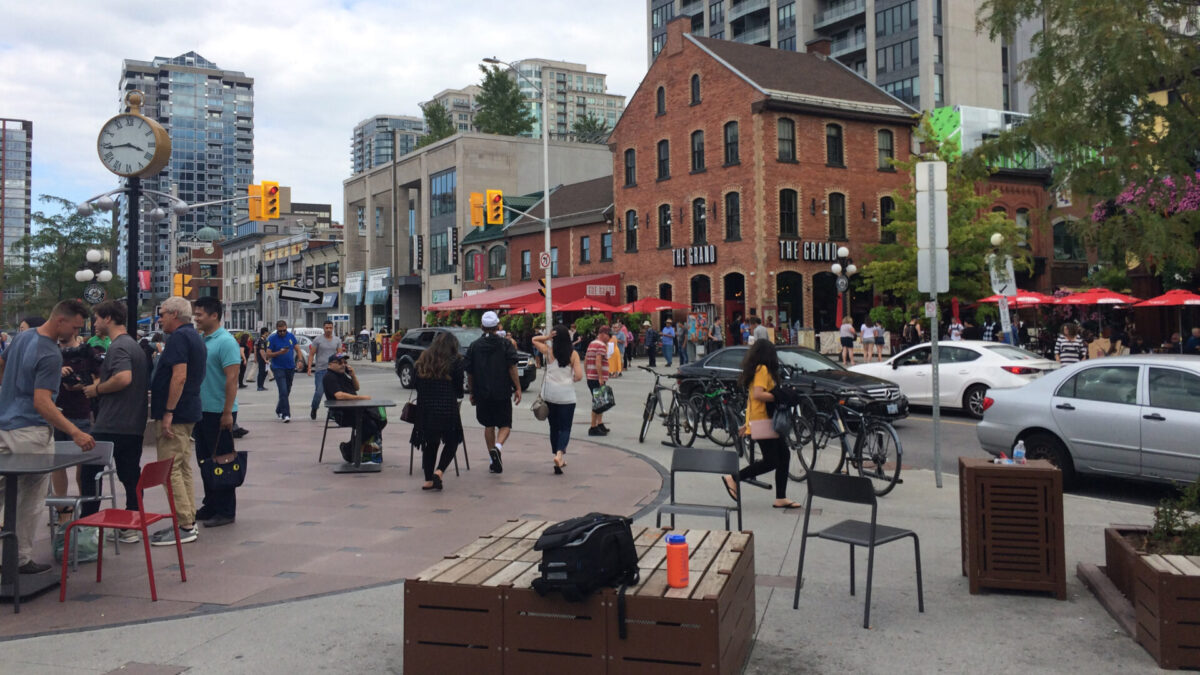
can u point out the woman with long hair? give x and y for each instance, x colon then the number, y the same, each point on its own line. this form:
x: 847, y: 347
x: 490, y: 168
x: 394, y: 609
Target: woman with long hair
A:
x: 563, y: 370
x: 439, y: 384
x: 847, y: 334
x: 760, y: 373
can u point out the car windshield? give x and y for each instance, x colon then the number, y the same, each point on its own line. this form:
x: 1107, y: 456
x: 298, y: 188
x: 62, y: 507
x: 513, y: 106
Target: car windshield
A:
x: 1012, y: 353
x: 806, y: 361
x: 466, y: 336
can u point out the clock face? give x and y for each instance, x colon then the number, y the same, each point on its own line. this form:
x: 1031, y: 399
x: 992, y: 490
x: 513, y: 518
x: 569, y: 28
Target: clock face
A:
x: 94, y: 293
x: 127, y: 145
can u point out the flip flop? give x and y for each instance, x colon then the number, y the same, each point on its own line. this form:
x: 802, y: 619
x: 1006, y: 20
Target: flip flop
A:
x: 732, y: 492
x: 790, y: 506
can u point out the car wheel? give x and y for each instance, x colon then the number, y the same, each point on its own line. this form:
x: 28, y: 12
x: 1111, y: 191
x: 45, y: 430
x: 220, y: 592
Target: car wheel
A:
x: 406, y: 374
x: 973, y: 400
x: 1043, y: 445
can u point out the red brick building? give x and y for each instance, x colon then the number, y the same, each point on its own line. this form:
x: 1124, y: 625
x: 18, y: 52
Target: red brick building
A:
x: 739, y: 170
x: 582, y: 234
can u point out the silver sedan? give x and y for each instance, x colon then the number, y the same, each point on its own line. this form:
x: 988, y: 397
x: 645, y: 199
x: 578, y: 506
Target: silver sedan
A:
x: 1135, y: 416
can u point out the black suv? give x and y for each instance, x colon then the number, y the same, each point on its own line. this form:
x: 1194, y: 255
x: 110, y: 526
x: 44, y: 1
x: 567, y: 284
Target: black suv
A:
x: 418, y: 340
x: 808, y: 369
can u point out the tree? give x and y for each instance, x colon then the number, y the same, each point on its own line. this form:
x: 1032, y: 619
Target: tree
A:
x: 590, y: 129
x: 502, y: 108
x: 57, y: 248
x: 1117, y: 105
x: 893, y: 267
x: 438, y: 124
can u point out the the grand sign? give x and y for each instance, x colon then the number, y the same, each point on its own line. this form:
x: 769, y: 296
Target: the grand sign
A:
x: 695, y: 255
x: 808, y: 251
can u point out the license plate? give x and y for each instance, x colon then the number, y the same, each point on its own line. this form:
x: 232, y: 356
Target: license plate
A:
x: 892, y: 408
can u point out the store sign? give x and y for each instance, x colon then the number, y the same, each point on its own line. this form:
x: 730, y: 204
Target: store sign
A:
x: 789, y: 249
x: 601, y: 290
x: 354, y: 282
x: 376, y: 277
x: 820, y: 251
x: 695, y: 255
x: 441, y: 295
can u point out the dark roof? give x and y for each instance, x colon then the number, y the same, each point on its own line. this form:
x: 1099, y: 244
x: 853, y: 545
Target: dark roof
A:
x: 575, y: 204
x: 800, y: 73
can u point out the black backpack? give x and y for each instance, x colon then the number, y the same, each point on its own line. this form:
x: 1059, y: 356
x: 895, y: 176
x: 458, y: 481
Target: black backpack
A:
x: 584, y: 554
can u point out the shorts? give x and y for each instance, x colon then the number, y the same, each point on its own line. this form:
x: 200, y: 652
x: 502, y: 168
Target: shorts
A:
x: 494, y: 412
x: 847, y: 342
x: 879, y: 341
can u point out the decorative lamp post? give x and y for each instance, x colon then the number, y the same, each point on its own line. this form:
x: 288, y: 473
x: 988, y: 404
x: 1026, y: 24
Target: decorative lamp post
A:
x: 844, y: 268
x: 94, y: 271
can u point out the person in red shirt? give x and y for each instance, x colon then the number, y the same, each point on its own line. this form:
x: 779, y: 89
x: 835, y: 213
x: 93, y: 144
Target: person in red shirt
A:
x: 596, y: 367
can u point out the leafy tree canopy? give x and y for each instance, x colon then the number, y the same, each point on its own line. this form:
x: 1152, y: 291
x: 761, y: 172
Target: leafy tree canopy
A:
x: 438, y: 124
x: 893, y: 266
x: 590, y: 129
x: 1117, y: 106
x: 502, y: 108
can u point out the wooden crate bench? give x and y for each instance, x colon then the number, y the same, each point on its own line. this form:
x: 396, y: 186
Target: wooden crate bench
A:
x: 1166, y: 600
x: 475, y: 610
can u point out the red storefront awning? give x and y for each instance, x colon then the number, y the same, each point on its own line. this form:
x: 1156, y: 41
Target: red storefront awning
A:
x: 602, y: 287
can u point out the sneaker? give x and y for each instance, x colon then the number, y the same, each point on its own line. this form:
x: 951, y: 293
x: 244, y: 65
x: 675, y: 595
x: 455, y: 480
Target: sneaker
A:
x: 167, y: 537
x: 595, y: 431
x: 287, y: 418
x: 218, y: 521
x: 261, y: 389
x: 603, y: 428
x: 33, y: 568
x: 129, y: 537
x: 496, y: 466
x: 312, y: 413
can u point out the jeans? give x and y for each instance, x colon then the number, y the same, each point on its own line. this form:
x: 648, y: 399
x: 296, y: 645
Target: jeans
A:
x: 561, y: 415
x: 127, y: 455
x: 319, y: 389
x: 209, y: 442
x: 262, y: 373
x: 668, y: 350
x: 283, y: 382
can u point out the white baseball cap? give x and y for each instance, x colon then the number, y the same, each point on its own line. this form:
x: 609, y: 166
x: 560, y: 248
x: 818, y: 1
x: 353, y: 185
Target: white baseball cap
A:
x: 490, y: 320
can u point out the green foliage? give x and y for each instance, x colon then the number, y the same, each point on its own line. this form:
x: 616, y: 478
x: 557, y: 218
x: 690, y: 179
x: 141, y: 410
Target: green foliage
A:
x: 57, y: 248
x: 1101, y: 69
x: 1176, y: 526
x: 893, y: 267
x: 634, y: 320
x: 1112, y: 278
x: 587, y: 325
x: 516, y: 324
x: 502, y: 109
x: 987, y: 311
x: 438, y: 124
x: 590, y: 129
x: 892, y: 318
x: 473, y: 317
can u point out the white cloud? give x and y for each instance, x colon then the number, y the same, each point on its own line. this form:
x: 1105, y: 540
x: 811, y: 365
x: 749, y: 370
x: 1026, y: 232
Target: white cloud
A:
x: 319, y: 68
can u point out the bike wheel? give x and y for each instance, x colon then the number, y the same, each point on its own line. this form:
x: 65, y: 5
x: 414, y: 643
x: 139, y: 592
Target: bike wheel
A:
x: 681, y: 424
x: 716, y: 425
x: 647, y: 417
x: 877, y: 454
x: 800, y: 441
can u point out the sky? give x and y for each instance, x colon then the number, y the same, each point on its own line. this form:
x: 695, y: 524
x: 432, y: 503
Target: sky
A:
x: 319, y: 68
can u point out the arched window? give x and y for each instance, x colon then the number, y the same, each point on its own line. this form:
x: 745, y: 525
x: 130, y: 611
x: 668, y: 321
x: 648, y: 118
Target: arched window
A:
x: 1066, y: 245
x: 731, y: 143
x: 631, y: 230
x: 1022, y: 221
x: 664, y: 159
x: 631, y: 293
x: 697, y: 151
x: 886, y: 206
x: 787, y: 140
x: 664, y: 291
x: 660, y: 98
x: 664, y: 226
x: 497, y: 258
x: 834, y: 156
x: 887, y: 150
x: 469, y: 265
x: 631, y: 167
x: 699, y: 221
x: 695, y: 89
x: 733, y: 216
x: 837, y: 216
x: 789, y: 218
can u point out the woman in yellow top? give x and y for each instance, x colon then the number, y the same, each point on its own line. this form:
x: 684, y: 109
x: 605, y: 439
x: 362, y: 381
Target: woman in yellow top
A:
x: 760, y: 372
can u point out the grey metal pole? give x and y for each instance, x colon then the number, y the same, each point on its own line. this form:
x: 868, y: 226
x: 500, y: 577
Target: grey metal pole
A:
x: 131, y: 256
x: 933, y: 333
x: 546, y: 199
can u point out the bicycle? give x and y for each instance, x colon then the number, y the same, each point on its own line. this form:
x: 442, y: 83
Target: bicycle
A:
x: 680, y: 418
x: 358, y: 350
x: 719, y: 411
x: 874, y: 445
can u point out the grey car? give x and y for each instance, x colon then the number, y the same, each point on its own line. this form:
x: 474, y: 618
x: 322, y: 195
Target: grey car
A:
x: 1134, y: 416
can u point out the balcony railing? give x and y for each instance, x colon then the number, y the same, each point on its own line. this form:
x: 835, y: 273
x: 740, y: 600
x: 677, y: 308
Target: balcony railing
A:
x: 746, y: 7
x: 850, y: 44
x: 754, y: 35
x: 691, y: 7
x: 832, y: 16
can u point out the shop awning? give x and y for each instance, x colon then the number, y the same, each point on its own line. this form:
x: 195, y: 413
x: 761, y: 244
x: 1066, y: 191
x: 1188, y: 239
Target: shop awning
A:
x: 378, y: 297
x: 602, y: 287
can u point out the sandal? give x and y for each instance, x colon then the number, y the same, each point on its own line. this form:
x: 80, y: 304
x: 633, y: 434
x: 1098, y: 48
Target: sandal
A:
x: 733, y: 494
x: 789, y: 506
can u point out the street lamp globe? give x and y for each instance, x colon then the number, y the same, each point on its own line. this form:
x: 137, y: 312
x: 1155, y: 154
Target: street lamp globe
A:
x: 84, y: 275
x: 843, y: 252
x: 105, y: 204
x: 997, y: 239
x: 836, y: 268
x: 93, y: 256
x: 104, y: 277
x: 180, y: 208
x: 851, y: 270
x: 156, y: 215
x: 84, y: 209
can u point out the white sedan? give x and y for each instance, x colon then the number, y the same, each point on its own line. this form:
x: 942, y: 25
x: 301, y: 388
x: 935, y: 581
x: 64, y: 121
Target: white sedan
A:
x: 966, y: 370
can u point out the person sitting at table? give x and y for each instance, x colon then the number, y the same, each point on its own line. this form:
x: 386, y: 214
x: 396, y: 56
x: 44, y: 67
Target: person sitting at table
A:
x: 440, y: 376
x: 341, y: 384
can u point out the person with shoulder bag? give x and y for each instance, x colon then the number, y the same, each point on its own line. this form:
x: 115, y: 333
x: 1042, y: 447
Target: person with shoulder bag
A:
x: 760, y: 373
x: 563, y: 370
x: 439, y: 379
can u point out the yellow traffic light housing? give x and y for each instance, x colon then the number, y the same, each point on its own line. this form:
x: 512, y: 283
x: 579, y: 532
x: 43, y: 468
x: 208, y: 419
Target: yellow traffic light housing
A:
x: 476, y: 209
x: 182, y: 289
x: 270, y: 200
x: 495, y: 207
x: 255, y: 203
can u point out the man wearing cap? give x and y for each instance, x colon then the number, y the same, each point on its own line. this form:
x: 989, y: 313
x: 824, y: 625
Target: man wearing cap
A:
x: 650, y: 339
x: 341, y: 384
x: 492, y: 377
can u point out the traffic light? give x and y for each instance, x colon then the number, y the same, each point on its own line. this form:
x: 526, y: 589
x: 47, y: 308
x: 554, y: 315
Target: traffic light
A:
x: 495, y: 207
x: 270, y: 200
x: 542, y: 286
x: 476, y: 209
x: 255, y: 192
x: 182, y: 289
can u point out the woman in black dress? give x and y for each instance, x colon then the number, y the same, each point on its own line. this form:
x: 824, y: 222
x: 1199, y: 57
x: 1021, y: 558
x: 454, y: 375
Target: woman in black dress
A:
x: 439, y: 384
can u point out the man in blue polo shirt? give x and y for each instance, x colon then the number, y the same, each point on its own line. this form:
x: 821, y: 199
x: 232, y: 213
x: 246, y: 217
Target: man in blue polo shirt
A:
x: 283, y: 350
x: 218, y: 402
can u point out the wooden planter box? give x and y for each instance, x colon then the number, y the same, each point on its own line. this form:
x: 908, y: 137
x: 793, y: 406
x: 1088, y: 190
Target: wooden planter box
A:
x: 1120, y: 557
x: 475, y: 611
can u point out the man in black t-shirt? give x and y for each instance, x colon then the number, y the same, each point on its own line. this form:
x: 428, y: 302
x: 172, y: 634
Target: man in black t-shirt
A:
x: 260, y: 359
x: 341, y: 384
x: 492, y: 376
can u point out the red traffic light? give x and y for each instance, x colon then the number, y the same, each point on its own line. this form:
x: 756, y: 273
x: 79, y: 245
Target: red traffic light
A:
x: 496, y: 198
x: 272, y: 190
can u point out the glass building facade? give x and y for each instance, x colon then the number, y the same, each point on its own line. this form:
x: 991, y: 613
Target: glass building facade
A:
x: 382, y: 138
x: 16, y: 139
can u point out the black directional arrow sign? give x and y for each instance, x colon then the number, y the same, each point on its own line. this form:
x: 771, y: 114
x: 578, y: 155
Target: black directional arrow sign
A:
x: 310, y: 296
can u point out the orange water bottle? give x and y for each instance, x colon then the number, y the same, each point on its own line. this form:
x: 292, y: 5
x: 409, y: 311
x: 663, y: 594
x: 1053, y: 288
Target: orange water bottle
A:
x: 677, y: 561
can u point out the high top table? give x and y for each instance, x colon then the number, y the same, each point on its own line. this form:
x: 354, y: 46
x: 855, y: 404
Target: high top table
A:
x: 12, y: 467
x: 357, y: 408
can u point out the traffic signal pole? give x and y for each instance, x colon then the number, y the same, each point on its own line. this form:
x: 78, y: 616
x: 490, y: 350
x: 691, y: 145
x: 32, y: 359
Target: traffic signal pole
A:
x: 546, y: 199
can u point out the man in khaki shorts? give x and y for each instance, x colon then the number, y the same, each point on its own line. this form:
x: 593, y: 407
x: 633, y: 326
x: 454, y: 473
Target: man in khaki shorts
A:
x: 175, y: 407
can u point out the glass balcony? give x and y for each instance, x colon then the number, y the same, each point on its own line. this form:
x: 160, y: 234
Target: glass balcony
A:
x: 747, y: 7
x: 848, y: 45
x: 691, y: 7
x: 839, y: 13
x: 754, y: 35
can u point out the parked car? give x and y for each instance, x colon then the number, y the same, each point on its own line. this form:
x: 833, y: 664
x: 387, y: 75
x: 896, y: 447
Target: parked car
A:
x: 967, y: 369
x: 808, y: 368
x: 417, y: 340
x: 1120, y: 415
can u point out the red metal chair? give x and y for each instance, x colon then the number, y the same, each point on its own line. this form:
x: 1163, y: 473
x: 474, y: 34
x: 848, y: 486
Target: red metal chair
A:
x: 153, y: 474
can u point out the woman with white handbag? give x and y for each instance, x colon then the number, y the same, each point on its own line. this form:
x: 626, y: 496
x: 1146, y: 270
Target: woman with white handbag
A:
x: 563, y: 370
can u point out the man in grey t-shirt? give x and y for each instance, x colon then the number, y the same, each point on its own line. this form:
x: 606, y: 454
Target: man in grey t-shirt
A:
x: 323, y: 347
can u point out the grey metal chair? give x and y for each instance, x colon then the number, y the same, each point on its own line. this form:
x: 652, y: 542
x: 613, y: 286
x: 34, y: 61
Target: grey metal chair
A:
x: 857, y: 490
x: 693, y: 460
x: 412, y: 446
x: 104, y: 458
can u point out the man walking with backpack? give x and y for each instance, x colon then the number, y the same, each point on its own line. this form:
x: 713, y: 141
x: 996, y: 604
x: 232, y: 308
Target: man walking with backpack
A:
x: 492, y: 376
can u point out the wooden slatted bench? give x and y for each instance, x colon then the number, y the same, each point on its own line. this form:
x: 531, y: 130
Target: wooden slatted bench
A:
x: 1166, y: 603
x: 475, y: 610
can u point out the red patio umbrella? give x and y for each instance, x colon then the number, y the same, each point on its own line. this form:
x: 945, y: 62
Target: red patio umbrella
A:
x: 1098, y: 296
x: 1176, y: 298
x: 586, y: 304
x: 1024, y: 298
x: 535, y: 308
x: 649, y: 305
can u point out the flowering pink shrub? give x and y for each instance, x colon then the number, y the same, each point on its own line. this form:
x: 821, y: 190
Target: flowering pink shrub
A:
x: 1167, y: 197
